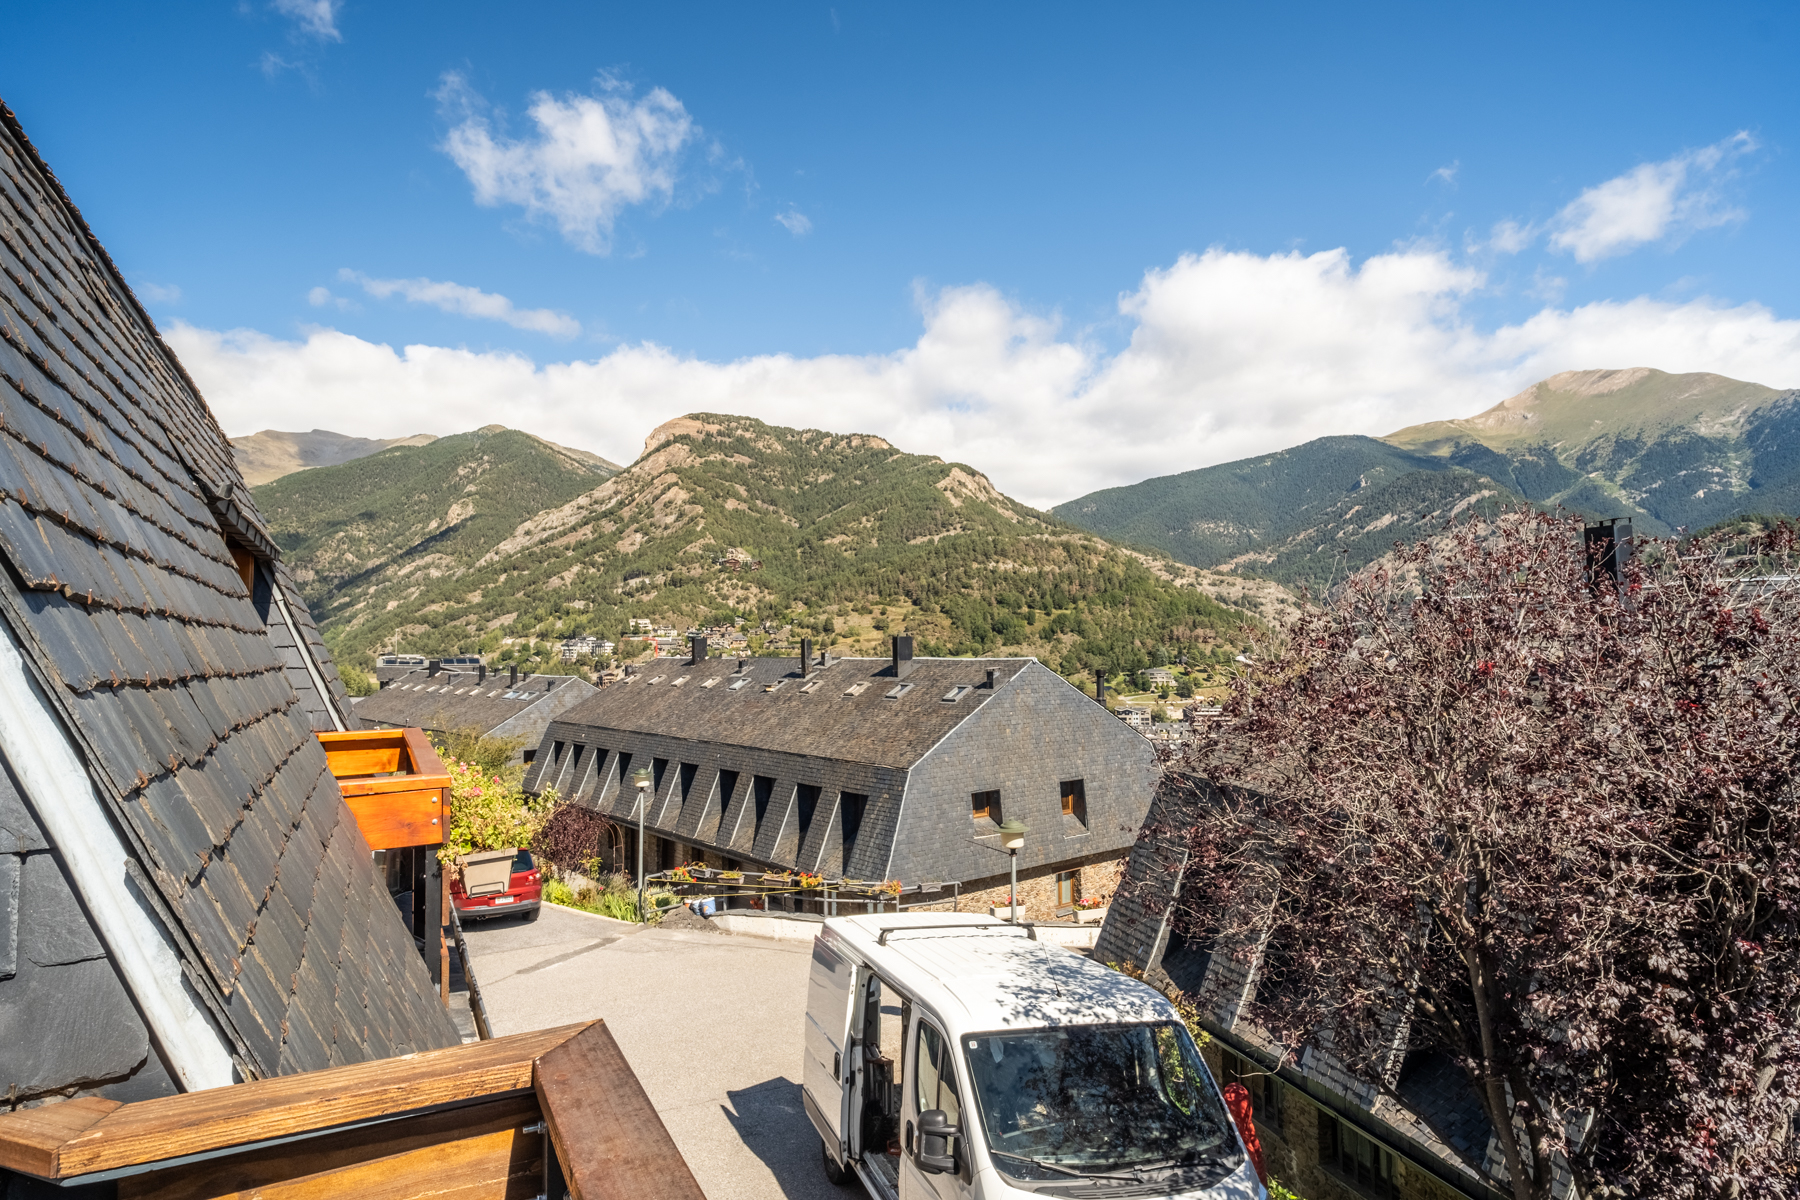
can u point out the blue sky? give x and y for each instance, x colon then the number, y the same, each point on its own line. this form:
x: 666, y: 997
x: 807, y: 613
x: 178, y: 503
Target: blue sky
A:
x: 1073, y: 246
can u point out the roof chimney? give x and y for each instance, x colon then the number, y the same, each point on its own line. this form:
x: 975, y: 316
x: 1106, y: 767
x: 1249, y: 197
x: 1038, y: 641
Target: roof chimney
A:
x: 805, y: 657
x: 1607, y: 545
x: 993, y: 678
x: 512, y: 679
x: 1100, y: 687
x: 696, y: 649
x: 433, y: 666
x: 481, y: 673
x: 903, y: 659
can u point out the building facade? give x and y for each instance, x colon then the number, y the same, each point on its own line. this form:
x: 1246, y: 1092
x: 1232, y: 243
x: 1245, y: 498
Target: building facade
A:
x: 867, y: 769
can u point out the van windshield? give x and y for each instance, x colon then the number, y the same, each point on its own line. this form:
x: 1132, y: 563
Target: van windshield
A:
x: 1100, y: 1100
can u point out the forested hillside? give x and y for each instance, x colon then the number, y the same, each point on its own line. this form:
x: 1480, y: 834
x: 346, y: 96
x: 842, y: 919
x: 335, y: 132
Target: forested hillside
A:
x: 1303, y: 516
x: 1668, y: 451
x: 854, y: 538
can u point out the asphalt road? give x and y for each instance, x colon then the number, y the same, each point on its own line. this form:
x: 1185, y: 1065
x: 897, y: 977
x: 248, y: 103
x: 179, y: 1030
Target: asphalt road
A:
x: 711, y: 1023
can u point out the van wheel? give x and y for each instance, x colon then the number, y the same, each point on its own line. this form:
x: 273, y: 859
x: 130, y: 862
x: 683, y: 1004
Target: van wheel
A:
x: 834, y: 1171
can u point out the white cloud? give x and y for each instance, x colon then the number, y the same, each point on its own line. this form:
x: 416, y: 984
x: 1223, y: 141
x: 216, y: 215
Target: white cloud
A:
x: 1446, y: 174
x: 590, y: 158
x: 466, y: 301
x: 1510, y: 237
x: 316, y: 18
x: 1231, y: 355
x: 322, y: 297
x: 795, y: 222
x: 1650, y: 202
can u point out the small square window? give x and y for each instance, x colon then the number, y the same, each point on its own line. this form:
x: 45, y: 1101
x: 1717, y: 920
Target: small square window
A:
x: 985, y: 806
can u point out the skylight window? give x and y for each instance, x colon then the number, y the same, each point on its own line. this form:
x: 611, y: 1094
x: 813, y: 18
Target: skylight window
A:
x: 776, y: 686
x: 959, y: 691
x: 738, y: 685
x: 810, y: 686
x: 898, y: 690
x: 857, y: 689
x: 713, y: 682
x: 681, y: 681
x: 658, y: 678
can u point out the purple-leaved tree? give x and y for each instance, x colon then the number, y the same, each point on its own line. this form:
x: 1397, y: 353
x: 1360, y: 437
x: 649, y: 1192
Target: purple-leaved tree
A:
x: 1481, y: 805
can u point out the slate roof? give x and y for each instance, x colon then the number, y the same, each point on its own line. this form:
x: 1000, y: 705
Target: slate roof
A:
x: 779, y: 710
x: 1138, y: 932
x: 456, y: 699
x: 122, y: 519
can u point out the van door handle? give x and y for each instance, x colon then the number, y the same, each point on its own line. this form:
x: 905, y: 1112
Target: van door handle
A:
x: 837, y: 1067
x: 909, y: 1137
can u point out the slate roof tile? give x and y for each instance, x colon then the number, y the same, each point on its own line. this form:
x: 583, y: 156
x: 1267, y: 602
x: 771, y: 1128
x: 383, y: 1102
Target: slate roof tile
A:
x: 107, y: 460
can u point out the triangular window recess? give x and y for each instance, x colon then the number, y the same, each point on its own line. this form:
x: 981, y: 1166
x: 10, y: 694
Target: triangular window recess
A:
x: 714, y: 682
x: 738, y: 685
x: 959, y: 691
x: 898, y: 690
x: 857, y: 689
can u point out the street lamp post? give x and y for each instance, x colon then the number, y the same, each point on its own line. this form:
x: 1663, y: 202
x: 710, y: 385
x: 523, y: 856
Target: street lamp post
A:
x: 641, y: 777
x: 1012, y: 836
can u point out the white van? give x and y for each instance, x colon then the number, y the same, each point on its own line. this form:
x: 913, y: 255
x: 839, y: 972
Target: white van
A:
x: 954, y: 1057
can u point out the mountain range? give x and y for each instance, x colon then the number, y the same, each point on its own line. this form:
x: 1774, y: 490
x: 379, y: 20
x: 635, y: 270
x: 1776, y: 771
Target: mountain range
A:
x: 1668, y: 451
x: 495, y: 541
x: 268, y: 454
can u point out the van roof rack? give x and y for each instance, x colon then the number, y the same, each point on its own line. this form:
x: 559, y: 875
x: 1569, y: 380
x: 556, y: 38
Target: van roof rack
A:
x: 1031, y: 930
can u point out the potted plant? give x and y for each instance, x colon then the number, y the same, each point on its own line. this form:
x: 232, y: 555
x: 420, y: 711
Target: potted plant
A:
x: 1090, y: 910
x: 1012, y: 908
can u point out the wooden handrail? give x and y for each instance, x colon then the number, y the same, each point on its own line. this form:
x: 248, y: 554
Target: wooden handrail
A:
x: 87, y: 1136
x: 610, y: 1143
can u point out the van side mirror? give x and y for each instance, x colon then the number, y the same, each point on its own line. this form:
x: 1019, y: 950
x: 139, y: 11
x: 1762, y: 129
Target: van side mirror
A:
x: 936, y: 1155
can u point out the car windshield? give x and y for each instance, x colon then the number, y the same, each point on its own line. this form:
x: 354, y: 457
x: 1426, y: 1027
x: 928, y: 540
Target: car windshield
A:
x: 1099, y: 1099
x: 523, y: 863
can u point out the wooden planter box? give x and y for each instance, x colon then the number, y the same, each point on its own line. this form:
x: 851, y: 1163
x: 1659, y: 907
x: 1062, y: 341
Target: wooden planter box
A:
x: 395, y: 784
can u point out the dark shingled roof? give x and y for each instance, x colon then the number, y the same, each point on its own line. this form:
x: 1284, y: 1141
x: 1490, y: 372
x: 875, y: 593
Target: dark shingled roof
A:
x: 816, y: 716
x: 120, y: 509
x: 458, y: 699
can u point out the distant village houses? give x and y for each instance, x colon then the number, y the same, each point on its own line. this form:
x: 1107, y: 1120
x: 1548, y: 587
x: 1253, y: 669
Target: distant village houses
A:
x: 503, y: 704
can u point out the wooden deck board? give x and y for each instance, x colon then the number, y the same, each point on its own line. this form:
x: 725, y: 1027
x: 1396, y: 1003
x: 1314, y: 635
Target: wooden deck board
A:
x: 265, y: 1172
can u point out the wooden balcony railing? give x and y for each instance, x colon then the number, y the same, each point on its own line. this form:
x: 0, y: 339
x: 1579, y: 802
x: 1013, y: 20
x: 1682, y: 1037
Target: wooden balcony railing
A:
x: 395, y: 784
x: 397, y: 788
x: 535, y: 1114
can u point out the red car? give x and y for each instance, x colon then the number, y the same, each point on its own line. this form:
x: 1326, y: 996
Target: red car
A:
x: 524, y: 894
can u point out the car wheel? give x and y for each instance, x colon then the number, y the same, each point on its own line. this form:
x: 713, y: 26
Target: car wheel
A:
x: 532, y: 915
x: 834, y: 1170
